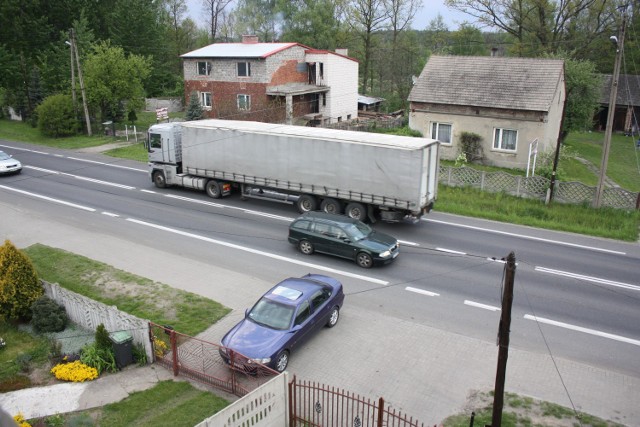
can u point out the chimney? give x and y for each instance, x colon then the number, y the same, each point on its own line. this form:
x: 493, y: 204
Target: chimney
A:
x: 342, y: 51
x: 494, y: 51
x: 249, y: 39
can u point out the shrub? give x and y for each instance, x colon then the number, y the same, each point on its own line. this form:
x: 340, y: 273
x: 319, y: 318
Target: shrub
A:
x: 103, y: 341
x: 48, y: 316
x: 194, y: 110
x: 74, y: 371
x: 139, y: 355
x: 24, y: 362
x: 19, y: 284
x: 100, y: 358
x: 57, y: 117
x: 471, y: 147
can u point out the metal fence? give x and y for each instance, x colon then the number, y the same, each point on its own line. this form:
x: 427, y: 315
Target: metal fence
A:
x: 536, y: 187
x: 315, y: 405
x: 200, y: 360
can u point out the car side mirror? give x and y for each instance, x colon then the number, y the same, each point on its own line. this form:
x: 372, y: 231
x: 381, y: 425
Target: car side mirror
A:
x: 246, y: 313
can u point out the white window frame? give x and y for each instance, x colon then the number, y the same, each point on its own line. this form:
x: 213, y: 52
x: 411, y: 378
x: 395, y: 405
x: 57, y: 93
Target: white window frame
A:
x: 498, y: 139
x: 207, y: 68
x: 247, y: 69
x: 206, y: 100
x: 434, y: 131
x: 246, y: 100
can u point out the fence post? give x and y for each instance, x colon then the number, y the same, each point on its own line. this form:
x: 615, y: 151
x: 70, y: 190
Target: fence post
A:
x: 380, y: 412
x: 292, y: 394
x: 174, y: 352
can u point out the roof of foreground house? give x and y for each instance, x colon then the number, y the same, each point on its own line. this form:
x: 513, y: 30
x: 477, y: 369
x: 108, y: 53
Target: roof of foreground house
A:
x: 489, y: 81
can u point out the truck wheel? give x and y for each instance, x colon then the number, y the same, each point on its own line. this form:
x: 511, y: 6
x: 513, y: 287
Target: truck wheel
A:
x: 356, y: 211
x: 159, y: 180
x: 306, y: 247
x: 331, y: 206
x: 306, y: 203
x: 213, y: 189
x: 364, y: 260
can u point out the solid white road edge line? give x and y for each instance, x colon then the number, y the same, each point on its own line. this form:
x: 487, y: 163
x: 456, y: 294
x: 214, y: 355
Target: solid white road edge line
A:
x: 450, y: 251
x: 257, y: 252
x: 581, y: 329
x: 588, y: 278
x: 523, y: 236
x: 39, y: 196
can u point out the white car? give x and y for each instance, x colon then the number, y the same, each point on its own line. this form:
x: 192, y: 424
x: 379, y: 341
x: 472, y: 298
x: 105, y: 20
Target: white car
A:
x: 8, y: 164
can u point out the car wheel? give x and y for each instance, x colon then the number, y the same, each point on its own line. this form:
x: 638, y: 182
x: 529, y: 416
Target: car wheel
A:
x: 356, y: 211
x: 213, y: 189
x: 159, y: 180
x: 331, y: 206
x: 306, y: 203
x: 282, y: 361
x: 364, y: 260
x: 333, y: 317
x: 306, y: 247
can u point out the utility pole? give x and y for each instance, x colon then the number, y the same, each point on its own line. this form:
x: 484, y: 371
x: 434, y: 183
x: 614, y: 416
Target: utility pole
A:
x: 619, y: 42
x: 73, y: 76
x: 74, y: 47
x: 503, y: 340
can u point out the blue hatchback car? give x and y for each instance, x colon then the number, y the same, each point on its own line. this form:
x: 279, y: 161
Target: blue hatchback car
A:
x: 286, y: 316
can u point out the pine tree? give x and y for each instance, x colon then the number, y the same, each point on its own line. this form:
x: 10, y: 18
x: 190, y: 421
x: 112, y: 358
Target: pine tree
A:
x: 19, y: 284
x: 194, y: 111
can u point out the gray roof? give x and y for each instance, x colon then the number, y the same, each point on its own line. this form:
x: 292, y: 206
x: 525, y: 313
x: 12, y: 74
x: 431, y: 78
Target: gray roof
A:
x: 238, y: 50
x: 489, y: 81
x: 369, y: 100
x: 628, y: 90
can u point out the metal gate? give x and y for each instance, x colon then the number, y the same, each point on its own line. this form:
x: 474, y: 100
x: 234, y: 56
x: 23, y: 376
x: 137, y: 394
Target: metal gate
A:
x: 314, y: 404
x: 201, y: 360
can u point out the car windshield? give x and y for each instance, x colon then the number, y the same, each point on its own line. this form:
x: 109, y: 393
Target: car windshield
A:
x: 4, y: 156
x: 271, y: 314
x: 358, y: 230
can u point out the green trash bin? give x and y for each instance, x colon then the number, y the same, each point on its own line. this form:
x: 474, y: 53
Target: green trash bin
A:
x: 122, y: 347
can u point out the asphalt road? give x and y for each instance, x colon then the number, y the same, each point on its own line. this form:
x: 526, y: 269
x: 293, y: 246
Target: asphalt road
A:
x: 449, y: 277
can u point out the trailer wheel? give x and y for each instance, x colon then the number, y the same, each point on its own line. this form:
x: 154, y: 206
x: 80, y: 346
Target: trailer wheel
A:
x: 331, y: 206
x: 213, y: 189
x: 159, y: 179
x: 356, y: 211
x: 306, y: 203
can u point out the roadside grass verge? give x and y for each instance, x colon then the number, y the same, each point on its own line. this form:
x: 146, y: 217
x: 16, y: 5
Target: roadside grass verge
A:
x: 186, y: 312
x: 21, y: 351
x: 523, y: 411
x: 168, y: 403
x: 132, y: 152
x: 604, y: 222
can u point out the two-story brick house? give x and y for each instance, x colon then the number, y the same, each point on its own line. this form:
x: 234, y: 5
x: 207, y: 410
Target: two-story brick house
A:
x: 272, y: 82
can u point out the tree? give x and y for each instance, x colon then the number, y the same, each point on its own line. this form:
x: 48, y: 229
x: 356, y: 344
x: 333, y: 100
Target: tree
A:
x: 19, y: 284
x: 367, y: 17
x: 215, y: 16
x: 259, y: 18
x: 312, y: 23
x: 468, y: 41
x: 115, y: 81
x: 194, y: 110
x: 540, y: 26
x: 583, y: 86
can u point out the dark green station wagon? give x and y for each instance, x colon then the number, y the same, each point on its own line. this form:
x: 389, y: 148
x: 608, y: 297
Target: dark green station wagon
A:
x: 342, y: 236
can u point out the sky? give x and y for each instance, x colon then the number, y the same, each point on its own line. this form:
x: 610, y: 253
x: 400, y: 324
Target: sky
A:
x: 429, y: 11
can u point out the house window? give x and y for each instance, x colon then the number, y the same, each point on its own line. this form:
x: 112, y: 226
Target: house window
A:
x: 505, y: 139
x: 205, y: 99
x: 324, y: 99
x: 348, y: 116
x: 441, y: 132
x: 204, y: 68
x: 244, y: 69
x: 321, y: 70
x: 244, y: 102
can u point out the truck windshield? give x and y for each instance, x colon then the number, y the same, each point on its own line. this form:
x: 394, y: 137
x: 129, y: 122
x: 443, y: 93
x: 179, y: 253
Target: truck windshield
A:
x: 358, y: 230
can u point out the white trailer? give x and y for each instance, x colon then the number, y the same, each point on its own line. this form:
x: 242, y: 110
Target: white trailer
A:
x: 363, y: 175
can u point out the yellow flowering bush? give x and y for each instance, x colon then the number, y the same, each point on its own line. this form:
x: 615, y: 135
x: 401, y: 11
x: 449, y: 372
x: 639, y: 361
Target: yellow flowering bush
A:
x: 159, y: 346
x: 19, y: 419
x: 75, y: 371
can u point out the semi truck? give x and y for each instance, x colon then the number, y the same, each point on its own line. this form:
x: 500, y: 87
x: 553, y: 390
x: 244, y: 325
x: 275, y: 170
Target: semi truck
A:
x: 367, y: 176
